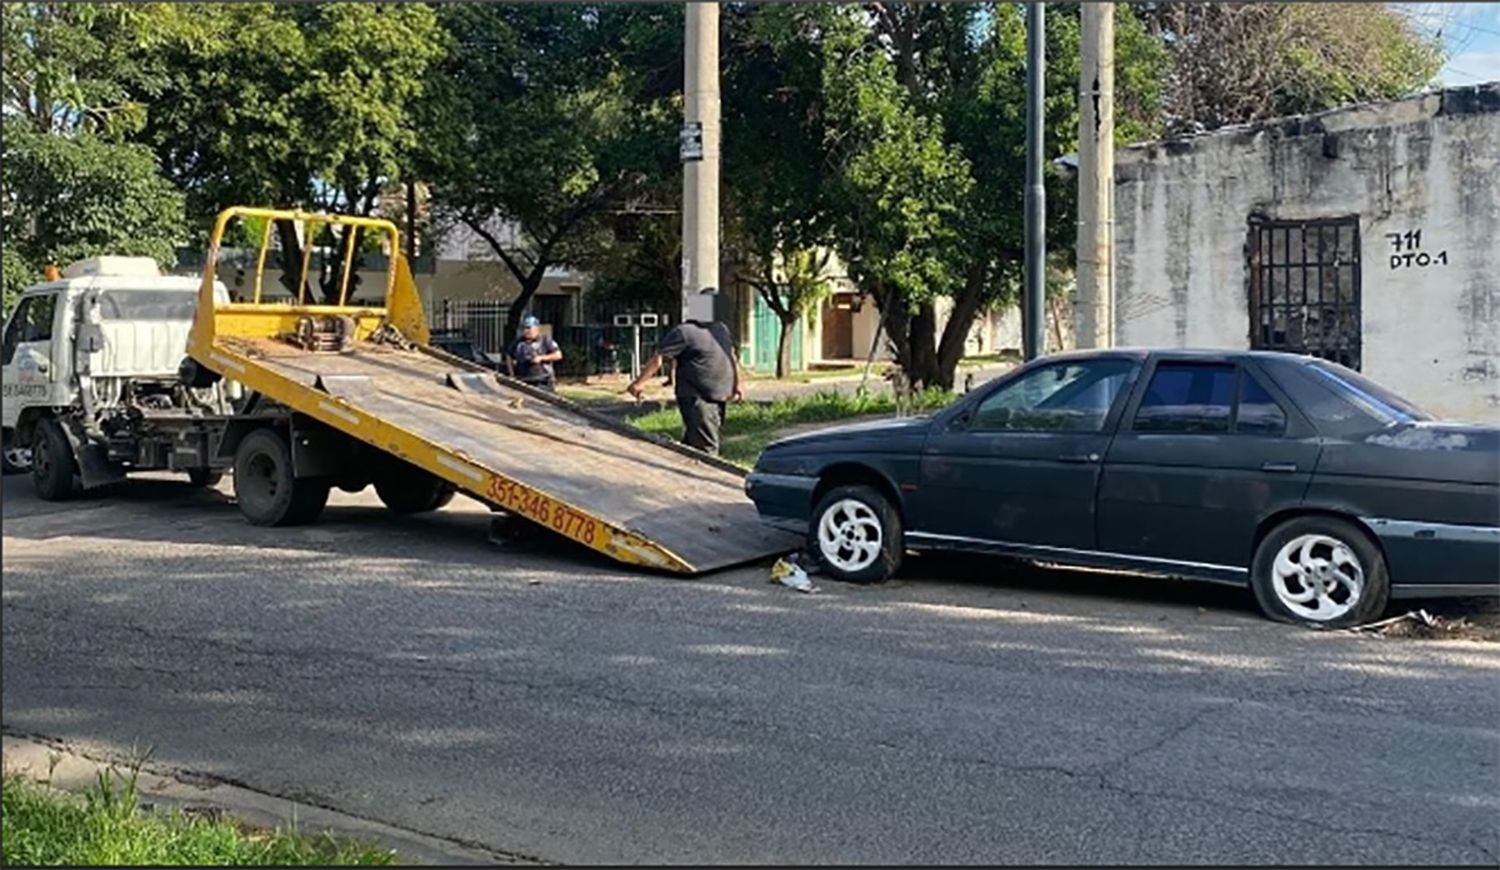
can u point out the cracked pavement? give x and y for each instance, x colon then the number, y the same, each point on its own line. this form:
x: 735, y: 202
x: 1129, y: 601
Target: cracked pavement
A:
x: 536, y: 700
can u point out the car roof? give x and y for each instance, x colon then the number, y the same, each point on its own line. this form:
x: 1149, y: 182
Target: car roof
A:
x: 1203, y: 354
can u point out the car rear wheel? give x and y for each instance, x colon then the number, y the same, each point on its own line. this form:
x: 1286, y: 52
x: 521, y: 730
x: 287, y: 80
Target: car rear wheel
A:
x: 856, y: 535
x: 1320, y: 572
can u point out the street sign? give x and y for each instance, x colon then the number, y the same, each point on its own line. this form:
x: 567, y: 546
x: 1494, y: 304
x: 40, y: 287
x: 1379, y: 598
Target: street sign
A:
x: 690, y: 142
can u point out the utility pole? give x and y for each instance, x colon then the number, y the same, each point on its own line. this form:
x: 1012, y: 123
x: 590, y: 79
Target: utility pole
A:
x: 411, y: 223
x: 699, y: 150
x: 1094, y: 311
x: 1033, y: 312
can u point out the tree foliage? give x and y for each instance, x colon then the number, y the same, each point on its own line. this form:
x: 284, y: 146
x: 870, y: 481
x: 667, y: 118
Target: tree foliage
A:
x: 292, y: 105
x: 889, y: 133
x: 779, y: 214
x: 1238, y: 62
x: 550, y: 118
x: 69, y: 187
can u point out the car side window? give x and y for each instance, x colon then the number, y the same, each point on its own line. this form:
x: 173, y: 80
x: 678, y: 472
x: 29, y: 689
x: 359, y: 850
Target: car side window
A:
x: 1258, y: 413
x: 1187, y: 397
x: 1065, y: 397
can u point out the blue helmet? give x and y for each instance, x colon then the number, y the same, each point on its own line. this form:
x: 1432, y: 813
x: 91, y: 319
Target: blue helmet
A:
x: 529, y: 321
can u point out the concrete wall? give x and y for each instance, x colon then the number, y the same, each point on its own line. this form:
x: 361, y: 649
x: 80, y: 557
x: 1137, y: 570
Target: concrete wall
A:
x: 1426, y: 164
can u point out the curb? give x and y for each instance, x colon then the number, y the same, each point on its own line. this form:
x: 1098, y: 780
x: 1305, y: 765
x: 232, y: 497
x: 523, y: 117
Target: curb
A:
x: 33, y: 756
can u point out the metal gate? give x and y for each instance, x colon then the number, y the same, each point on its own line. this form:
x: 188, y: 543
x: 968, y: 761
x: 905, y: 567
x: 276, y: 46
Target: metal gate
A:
x: 767, y: 331
x: 1305, y: 287
x: 483, y: 320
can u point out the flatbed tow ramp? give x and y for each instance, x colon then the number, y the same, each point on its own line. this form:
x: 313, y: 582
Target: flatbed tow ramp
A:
x: 366, y: 372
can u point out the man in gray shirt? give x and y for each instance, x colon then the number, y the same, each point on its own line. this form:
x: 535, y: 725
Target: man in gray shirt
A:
x: 707, y: 376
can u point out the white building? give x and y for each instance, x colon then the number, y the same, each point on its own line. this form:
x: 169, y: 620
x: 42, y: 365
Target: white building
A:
x: 1369, y: 235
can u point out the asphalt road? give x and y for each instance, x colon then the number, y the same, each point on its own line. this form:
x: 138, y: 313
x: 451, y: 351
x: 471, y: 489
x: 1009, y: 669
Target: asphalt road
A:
x: 543, y: 702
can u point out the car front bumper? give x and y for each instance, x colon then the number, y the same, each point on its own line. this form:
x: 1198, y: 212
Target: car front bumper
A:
x: 783, y: 500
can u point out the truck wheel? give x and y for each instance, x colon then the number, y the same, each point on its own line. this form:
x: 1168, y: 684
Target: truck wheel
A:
x: 53, y: 468
x: 208, y: 477
x: 407, y: 489
x: 14, y: 459
x: 856, y: 535
x: 269, y: 494
x: 1320, y: 572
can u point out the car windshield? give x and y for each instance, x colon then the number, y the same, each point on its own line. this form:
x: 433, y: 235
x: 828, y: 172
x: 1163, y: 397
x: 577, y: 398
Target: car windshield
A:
x: 1371, y: 395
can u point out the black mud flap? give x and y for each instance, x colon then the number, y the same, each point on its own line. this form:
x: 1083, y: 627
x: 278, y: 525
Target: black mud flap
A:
x: 94, y: 468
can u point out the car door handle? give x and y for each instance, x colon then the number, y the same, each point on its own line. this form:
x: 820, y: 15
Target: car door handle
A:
x: 1279, y: 466
x: 1079, y: 457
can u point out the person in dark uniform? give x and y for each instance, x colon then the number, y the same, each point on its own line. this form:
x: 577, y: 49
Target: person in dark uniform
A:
x: 533, y: 355
x: 707, y: 376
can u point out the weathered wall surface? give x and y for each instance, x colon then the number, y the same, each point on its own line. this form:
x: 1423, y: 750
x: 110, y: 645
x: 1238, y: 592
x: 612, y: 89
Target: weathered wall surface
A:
x: 1429, y: 165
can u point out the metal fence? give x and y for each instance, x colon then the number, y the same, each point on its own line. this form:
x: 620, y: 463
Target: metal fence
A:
x: 588, y: 348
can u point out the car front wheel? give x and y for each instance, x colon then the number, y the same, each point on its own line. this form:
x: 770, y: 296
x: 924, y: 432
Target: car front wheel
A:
x: 856, y: 535
x: 1320, y: 572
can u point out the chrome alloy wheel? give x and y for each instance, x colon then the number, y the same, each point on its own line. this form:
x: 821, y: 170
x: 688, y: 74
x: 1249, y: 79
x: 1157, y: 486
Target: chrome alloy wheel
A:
x: 849, y: 535
x: 1317, y: 577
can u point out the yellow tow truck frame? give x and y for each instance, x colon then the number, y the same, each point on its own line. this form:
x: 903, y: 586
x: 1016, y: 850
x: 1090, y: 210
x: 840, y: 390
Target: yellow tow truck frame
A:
x: 224, y: 339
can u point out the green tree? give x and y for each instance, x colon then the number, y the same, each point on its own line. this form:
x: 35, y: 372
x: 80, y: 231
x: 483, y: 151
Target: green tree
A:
x: 777, y: 204
x: 69, y: 197
x: 310, y: 106
x: 927, y: 107
x: 72, y: 67
x: 69, y: 187
x: 551, y: 119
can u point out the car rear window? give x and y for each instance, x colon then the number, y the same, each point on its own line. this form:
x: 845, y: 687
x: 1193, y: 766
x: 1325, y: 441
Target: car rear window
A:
x: 1187, y: 397
x: 1322, y: 402
x: 148, y: 305
x: 1366, y: 392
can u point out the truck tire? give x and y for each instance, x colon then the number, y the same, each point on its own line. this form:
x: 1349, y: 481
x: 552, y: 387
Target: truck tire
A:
x: 53, y: 467
x: 267, y: 490
x: 14, y: 459
x: 406, y: 489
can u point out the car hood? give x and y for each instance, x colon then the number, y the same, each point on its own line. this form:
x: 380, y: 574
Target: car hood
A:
x: 875, y: 431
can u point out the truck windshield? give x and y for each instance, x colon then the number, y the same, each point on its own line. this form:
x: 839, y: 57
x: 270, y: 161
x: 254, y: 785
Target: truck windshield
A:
x: 148, y: 305
x: 1375, y: 397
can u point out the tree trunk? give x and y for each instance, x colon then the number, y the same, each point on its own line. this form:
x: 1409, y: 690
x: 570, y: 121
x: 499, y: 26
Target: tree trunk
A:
x: 924, y: 371
x: 966, y: 305
x: 291, y: 256
x: 784, y: 346
x: 529, y: 285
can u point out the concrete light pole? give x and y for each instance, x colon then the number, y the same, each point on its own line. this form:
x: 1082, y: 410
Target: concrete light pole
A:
x: 700, y: 161
x: 1035, y: 290
x: 1094, y: 314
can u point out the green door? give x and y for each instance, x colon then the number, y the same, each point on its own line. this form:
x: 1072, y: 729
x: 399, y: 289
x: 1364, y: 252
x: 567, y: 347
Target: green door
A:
x: 767, y: 329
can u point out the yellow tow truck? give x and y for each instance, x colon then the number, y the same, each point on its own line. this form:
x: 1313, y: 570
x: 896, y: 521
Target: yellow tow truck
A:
x: 351, y: 395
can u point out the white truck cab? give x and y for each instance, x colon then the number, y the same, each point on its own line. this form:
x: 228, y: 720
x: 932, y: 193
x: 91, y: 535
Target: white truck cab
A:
x: 102, y: 343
